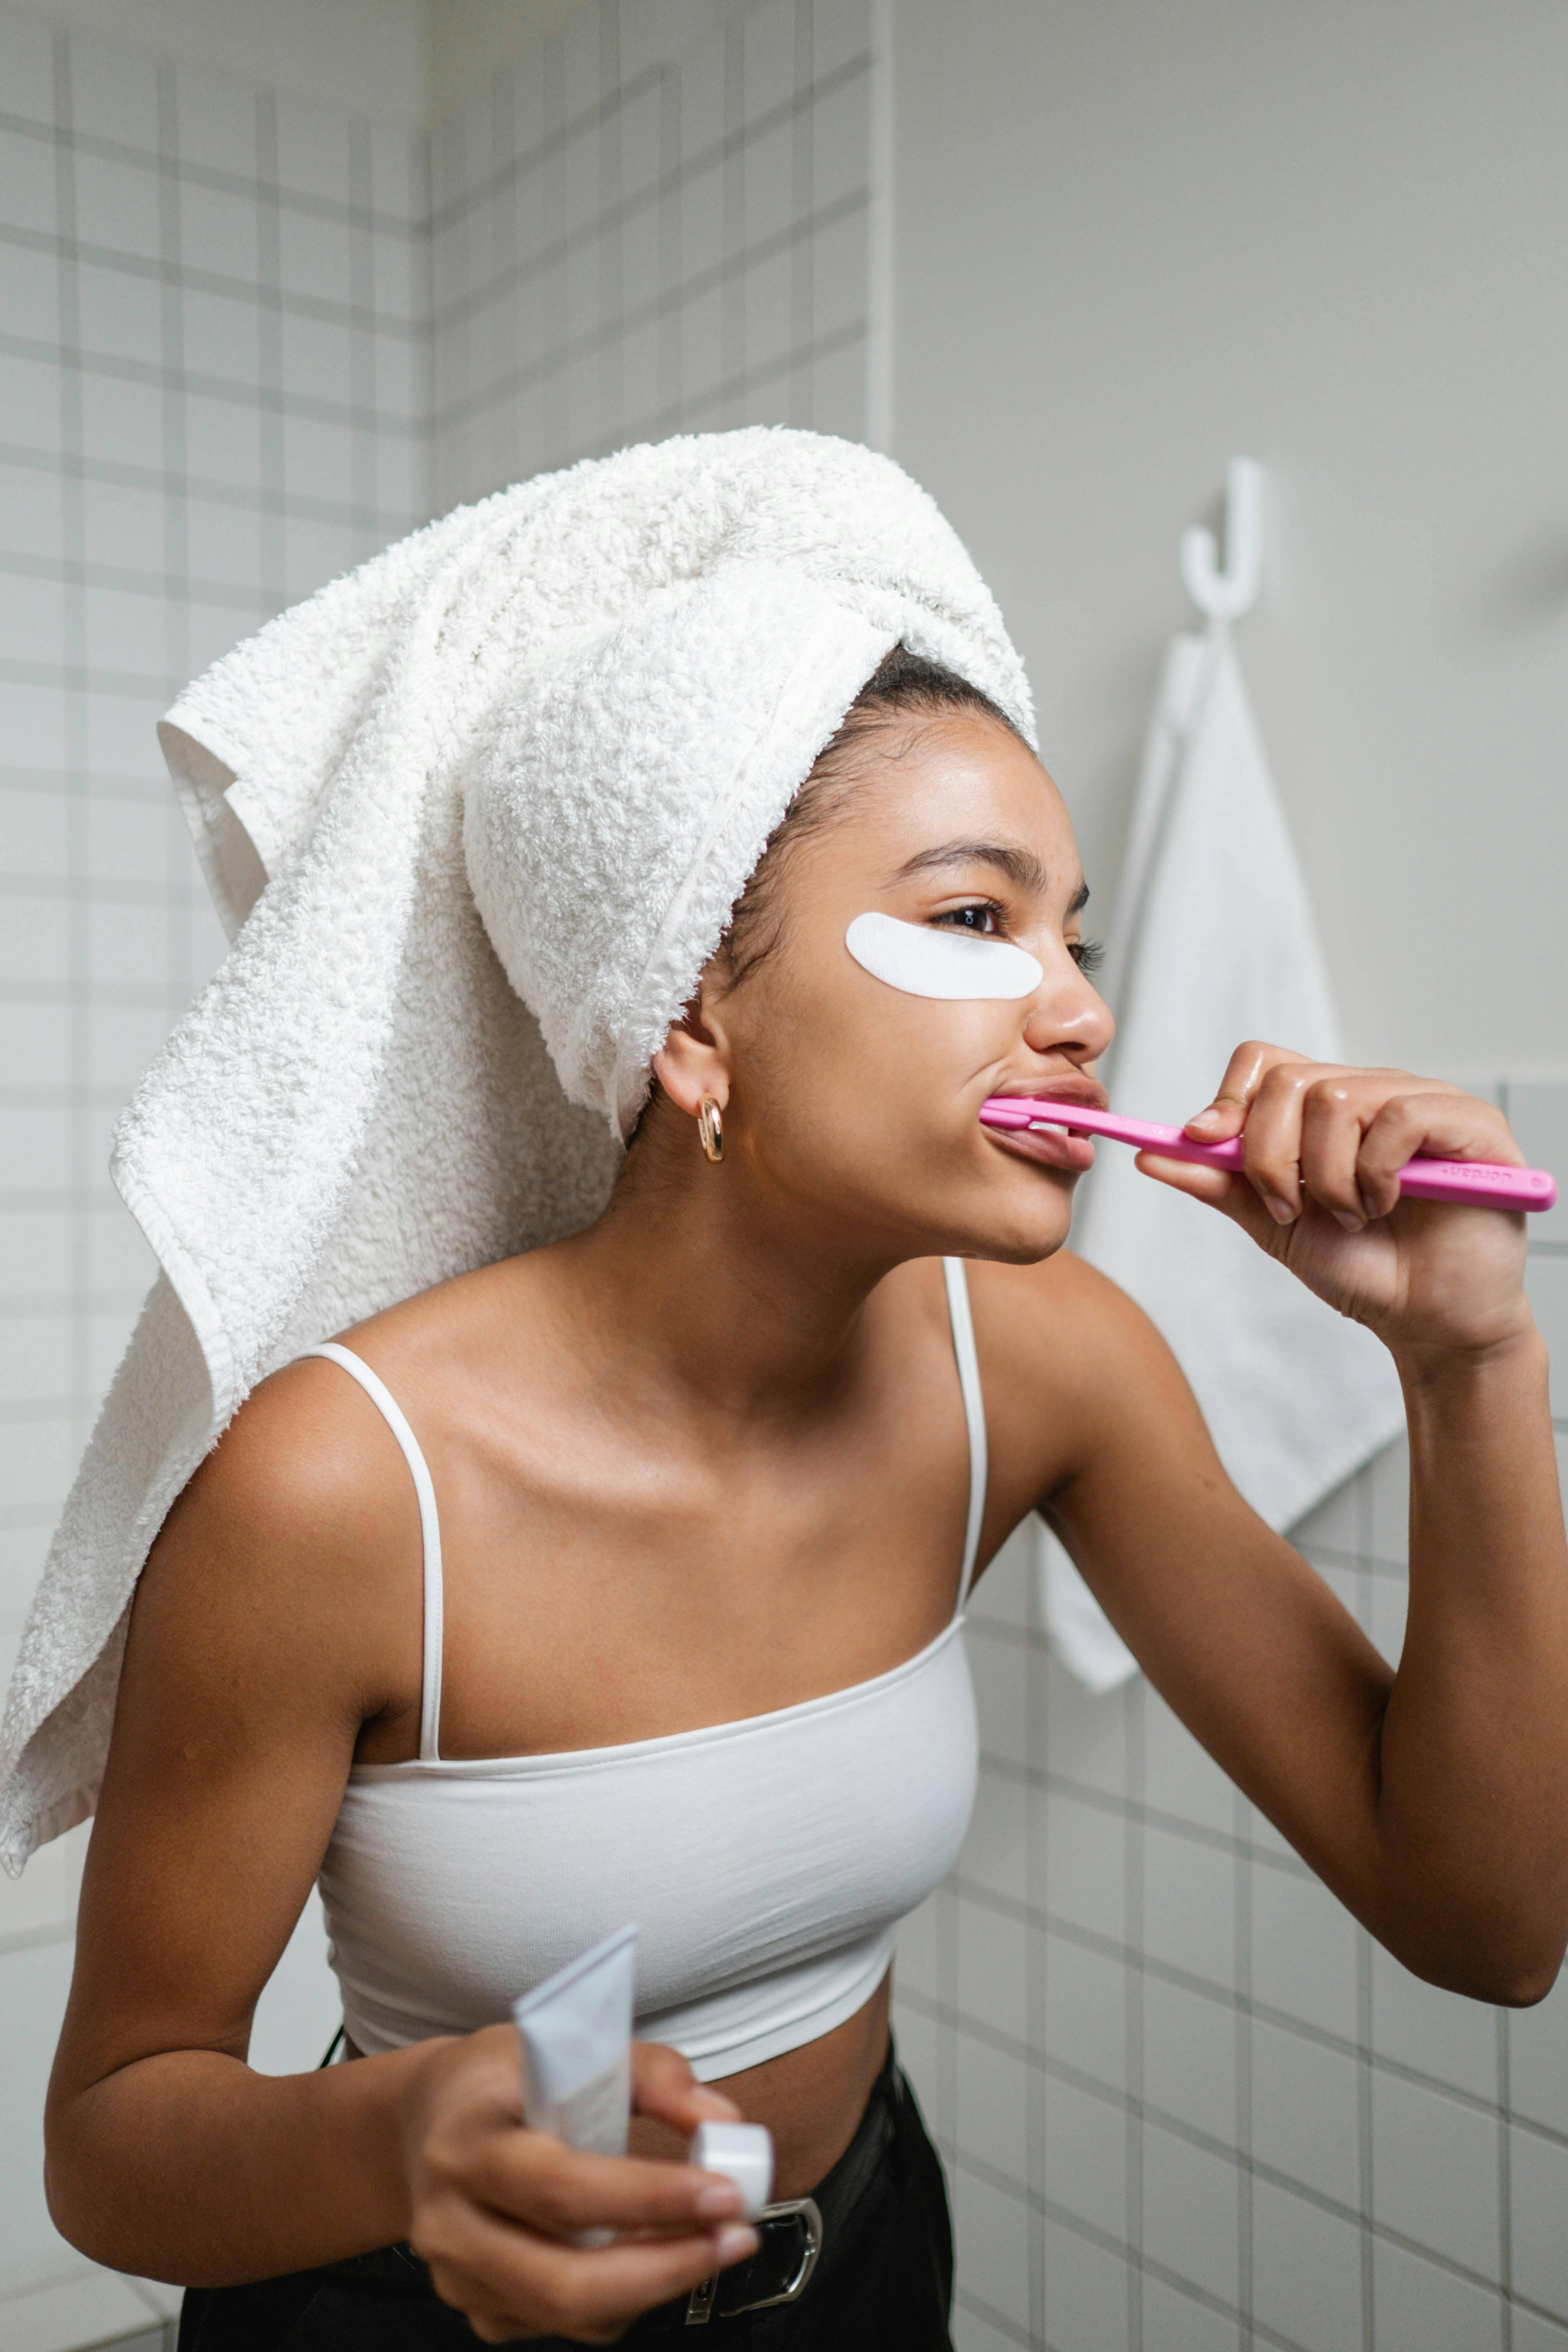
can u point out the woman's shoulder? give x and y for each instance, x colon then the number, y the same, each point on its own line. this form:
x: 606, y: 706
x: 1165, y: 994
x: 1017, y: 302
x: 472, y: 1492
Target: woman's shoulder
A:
x: 1064, y: 1349
x: 304, y: 1461
x: 1058, y: 1301
x: 294, y: 1551
x: 291, y: 1566
x: 310, y: 1467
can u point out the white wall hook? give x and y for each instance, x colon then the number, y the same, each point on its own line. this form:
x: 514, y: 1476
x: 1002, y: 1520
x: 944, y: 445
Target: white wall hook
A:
x: 1226, y: 593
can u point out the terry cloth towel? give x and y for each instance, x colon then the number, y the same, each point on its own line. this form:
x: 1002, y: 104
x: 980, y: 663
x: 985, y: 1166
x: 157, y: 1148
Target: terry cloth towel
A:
x: 1212, y: 943
x: 475, y: 816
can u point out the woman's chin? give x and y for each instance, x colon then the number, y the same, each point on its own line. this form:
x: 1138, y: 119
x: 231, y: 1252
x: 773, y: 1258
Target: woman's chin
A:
x: 1024, y: 1235
x: 1017, y: 1249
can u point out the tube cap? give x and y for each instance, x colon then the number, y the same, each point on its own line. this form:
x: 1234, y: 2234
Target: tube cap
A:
x: 743, y: 2153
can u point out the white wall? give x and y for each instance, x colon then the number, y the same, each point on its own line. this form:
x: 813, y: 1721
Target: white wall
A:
x: 654, y: 219
x: 1133, y: 238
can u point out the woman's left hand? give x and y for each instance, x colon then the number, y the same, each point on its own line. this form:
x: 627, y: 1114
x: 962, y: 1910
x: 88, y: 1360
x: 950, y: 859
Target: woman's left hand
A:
x: 1324, y: 1145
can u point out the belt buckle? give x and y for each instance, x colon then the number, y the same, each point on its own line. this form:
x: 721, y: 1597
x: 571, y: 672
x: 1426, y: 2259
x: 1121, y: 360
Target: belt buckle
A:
x: 701, y: 2302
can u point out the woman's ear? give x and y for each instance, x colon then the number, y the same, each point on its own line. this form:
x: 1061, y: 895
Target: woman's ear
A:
x: 692, y: 1063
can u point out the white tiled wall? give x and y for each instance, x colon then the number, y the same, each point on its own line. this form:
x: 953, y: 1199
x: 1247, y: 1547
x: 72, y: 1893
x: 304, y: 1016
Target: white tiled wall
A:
x: 216, y: 392
x: 1186, y: 2104
x: 213, y: 331
x: 655, y: 222
x: 213, y: 340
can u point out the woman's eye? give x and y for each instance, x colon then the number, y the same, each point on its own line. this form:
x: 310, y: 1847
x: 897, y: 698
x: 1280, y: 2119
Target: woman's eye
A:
x: 983, y: 918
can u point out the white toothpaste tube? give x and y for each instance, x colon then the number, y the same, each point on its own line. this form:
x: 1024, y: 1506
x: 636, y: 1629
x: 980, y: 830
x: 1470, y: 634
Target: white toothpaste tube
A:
x: 743, y: 2153
x: 576, y: 2031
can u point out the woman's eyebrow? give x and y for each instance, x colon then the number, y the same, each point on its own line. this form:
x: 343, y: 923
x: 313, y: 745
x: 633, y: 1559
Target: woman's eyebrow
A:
x: 1021, y: 866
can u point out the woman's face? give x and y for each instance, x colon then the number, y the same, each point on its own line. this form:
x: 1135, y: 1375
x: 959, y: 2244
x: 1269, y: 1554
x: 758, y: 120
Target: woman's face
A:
x: 850, y: 1097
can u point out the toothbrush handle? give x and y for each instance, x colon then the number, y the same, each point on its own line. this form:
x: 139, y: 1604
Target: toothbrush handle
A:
x: 1486, y: 1184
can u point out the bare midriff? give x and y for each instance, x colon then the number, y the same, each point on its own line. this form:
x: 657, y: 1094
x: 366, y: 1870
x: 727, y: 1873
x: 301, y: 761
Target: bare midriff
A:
x: 811, y: 2099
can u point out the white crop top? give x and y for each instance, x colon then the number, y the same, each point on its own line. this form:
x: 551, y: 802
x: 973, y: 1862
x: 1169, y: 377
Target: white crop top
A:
x: 767, y: 1862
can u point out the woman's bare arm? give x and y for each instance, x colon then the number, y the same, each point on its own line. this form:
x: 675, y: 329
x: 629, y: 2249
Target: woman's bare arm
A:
x: 1433, y: 1798
x: 260, y: 1638
x: 279, y: 1611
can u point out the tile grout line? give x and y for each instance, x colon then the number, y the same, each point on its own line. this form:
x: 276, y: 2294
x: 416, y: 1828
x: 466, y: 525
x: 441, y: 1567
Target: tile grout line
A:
x: 364, y: 452
x: 982, y: 2170
x: 194, y: 279
x: 1363, y: 1997
x: 208, y: 177
x: 1505, y: 2098
x: 611, y: 353
x: 74, y: 629
x: 1134, y: 1726
x: 176, y: 511
x: 1242, y: 1918
x: 1128, y: 1955
x: 726, y: 277
x: 1505, y: 2177
x: 269, y: 349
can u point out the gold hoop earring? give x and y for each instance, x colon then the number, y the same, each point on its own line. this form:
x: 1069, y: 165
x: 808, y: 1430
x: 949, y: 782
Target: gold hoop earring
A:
x: 711, y: 1129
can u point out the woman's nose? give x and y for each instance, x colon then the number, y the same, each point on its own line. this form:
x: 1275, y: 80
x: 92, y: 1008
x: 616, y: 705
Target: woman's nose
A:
x: 1078, y: 1019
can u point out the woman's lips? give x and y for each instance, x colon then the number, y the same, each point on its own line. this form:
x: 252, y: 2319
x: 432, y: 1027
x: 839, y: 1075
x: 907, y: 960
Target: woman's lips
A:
x: 1048, y: 1147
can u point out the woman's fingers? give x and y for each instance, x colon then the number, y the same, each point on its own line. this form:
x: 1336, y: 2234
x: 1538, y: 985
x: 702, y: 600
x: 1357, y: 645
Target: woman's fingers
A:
x: 1301, y: 1125
x: 511, y: 2281
x: 501, y: 2212
x: 1332, y: 1116
x: 533, y: 2179
x: 1438, y: 1120
x: 1244, y: 1076
x: 1271, y: 1141
x: 1259, y: 1098
x: 1332, y: 1135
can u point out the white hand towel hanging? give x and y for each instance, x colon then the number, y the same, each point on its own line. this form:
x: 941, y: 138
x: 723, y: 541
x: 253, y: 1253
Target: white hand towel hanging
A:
x: 1213, y: 943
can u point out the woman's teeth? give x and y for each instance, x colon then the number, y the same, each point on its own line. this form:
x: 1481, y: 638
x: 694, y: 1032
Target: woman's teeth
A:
x: 1051, y: 1147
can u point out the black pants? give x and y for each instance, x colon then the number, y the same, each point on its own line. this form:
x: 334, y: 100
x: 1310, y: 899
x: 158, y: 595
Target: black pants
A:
x: 883, y: 2284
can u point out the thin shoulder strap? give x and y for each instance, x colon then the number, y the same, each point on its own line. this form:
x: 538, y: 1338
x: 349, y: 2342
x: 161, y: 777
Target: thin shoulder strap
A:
x: 382, y: 1397
x: 974, y: 1412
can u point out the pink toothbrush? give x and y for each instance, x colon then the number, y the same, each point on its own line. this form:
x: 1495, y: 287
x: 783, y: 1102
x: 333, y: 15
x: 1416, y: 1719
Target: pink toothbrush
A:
x: 1483, y: 1181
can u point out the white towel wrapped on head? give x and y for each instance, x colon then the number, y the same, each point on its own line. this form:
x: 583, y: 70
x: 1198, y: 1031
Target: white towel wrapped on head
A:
x: 585, y: 704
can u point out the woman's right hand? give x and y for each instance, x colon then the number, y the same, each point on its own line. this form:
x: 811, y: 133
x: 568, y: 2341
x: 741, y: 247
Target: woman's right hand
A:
x: 494, y: 2207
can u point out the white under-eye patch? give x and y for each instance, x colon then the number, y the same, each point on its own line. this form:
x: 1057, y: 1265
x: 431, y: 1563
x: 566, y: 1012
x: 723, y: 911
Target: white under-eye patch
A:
x: 954, y: 964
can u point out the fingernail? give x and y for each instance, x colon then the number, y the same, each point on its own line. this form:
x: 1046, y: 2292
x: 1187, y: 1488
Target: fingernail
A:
x: 721, y: 2199
x: 733, y: 2244
x: 1205, y: 1117
x: 1280, y: 1210
x: 1349, y: 1219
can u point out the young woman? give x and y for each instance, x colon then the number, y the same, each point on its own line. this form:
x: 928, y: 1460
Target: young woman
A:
x: 712, y: 1481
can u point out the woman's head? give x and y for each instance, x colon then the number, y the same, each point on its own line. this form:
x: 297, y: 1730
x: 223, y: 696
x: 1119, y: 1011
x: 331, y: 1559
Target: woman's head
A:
x: 849, y: 1100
